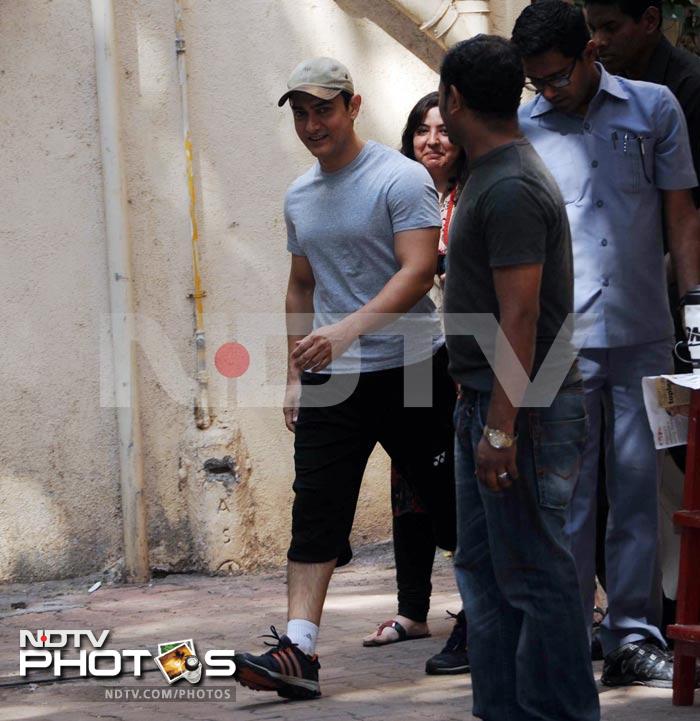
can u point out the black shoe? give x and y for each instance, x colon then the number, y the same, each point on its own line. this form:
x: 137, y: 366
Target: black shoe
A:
x: 284, y: 668
x: 638, y: 664
x: 453, y: 658
x: 596, y: 647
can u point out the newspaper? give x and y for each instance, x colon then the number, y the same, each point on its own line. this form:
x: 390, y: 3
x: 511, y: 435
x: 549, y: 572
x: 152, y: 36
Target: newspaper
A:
x: 667, y: 400
x: 686, y: 380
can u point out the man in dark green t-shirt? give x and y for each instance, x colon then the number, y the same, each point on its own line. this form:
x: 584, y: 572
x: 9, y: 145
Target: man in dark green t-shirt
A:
x: 513, y: 215
x: 510, y: 259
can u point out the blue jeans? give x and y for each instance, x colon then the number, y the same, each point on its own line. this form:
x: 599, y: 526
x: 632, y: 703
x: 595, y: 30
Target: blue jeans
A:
x: 528, y: 640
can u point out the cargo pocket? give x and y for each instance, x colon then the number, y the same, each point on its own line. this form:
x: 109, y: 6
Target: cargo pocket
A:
x: 558, y: 446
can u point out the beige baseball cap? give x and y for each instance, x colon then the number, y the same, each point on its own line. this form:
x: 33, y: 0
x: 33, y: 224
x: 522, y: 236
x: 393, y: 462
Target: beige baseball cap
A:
x: 321, y: 77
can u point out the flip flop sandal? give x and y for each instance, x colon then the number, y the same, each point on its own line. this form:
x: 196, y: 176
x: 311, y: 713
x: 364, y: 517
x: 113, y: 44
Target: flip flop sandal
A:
x: 602, y: 613
x: 400, y: 630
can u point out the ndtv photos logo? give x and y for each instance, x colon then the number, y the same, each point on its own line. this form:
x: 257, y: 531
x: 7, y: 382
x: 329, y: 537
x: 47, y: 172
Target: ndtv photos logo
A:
x: 59, y: 650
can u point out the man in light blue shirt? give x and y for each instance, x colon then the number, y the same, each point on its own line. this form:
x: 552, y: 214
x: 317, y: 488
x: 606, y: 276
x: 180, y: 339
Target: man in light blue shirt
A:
x: 619, y: 151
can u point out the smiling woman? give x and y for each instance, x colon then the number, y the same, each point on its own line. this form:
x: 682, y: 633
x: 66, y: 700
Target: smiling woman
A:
x: 425, y: 140
x: 433, y: 149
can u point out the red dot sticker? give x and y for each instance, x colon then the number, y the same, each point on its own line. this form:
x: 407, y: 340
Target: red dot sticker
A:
x: 232, y: 360
x: 43, y: 638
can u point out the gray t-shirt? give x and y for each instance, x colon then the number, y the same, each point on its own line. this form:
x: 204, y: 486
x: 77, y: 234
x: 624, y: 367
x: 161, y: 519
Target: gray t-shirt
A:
x: 510, y: 213
x: 344, y: 223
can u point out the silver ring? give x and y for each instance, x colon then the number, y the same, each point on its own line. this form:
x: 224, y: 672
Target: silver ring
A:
x: 502, y: 476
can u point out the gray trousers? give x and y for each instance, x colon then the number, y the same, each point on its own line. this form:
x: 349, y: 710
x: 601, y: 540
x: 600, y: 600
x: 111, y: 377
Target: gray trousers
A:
x: 612, y: 383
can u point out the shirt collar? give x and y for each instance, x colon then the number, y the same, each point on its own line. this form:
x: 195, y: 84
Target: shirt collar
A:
x: 609, y: 84
x: 658, y: 63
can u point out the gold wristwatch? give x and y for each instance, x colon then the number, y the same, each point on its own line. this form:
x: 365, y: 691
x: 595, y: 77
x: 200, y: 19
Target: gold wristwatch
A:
x: 499, y: 440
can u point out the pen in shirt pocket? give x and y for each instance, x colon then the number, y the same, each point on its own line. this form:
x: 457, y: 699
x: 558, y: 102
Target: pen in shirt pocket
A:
x: 614, y: 139
x: 640, y: 139
x: 643, y: 154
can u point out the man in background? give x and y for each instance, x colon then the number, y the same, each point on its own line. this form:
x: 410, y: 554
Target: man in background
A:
x: 619, y: 151
x: 631, y: 43
x: 630, y: 40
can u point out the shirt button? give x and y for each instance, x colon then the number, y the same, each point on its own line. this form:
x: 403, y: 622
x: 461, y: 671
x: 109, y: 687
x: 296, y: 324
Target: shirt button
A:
x: 604, y: 242
x: 606, y: 282
x: 586, y: 126
x: 600, y: 203
x: 594, y: 164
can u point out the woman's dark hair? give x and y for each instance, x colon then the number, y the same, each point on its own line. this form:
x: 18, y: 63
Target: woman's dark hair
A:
x: 551, y: 25
x: 415, y: 119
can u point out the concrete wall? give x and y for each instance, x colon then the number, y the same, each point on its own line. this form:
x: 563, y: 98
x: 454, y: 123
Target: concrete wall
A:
x: 59, y: 507
x: 504, y: 14
x: 59, y: 494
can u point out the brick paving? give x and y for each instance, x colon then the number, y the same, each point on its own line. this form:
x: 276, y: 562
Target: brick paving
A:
x: 358, y: 684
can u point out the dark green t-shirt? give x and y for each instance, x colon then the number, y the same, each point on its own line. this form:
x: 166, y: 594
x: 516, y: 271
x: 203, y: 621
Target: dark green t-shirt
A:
x: 510, y: 213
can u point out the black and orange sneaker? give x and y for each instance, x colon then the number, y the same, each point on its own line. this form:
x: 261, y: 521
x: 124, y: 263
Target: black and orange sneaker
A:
x: 284, y: 668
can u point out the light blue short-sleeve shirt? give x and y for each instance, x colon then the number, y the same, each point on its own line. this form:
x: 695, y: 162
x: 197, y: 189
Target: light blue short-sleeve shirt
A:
x: 611, y: 167
x: 344, y: 223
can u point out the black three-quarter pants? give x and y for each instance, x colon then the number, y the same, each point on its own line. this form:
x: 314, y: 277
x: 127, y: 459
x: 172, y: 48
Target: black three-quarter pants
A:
x: 335, y: 435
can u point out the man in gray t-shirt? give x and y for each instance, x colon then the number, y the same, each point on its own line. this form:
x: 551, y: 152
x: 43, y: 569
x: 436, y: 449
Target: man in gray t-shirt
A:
x: 348, y: 240
x: 362, y: 228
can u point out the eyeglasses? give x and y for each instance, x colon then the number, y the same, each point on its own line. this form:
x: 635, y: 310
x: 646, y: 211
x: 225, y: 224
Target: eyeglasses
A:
x: 560, y: 80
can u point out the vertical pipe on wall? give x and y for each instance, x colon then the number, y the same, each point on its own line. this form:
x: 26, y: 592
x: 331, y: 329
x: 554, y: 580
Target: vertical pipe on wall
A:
x: 202, y: 410
x: 121, y: 295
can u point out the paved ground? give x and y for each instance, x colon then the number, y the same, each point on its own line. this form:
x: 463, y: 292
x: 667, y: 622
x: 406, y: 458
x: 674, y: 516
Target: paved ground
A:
x: 381, y: 684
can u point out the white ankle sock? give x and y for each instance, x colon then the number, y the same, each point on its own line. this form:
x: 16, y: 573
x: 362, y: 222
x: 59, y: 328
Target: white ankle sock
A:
x: 304, y: 634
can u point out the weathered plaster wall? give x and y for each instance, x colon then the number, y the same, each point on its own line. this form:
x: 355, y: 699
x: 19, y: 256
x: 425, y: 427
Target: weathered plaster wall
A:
x: 247, y: 153
x: 59, y: 503
x: 503, y: 15
x: 59, y: 494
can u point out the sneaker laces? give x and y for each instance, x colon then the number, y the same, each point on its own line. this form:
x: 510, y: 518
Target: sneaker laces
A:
x: 649, y: 659
x: 284, y: 639
x: 653, y: 656
x: 456, y: 640
x: 278, y: 639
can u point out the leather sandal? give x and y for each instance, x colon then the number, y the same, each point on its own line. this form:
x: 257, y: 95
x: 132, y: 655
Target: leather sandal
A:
x: 400, y: 630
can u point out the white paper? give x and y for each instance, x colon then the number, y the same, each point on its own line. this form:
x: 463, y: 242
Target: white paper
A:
x: 687, y: 380
x: 668, y: 430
